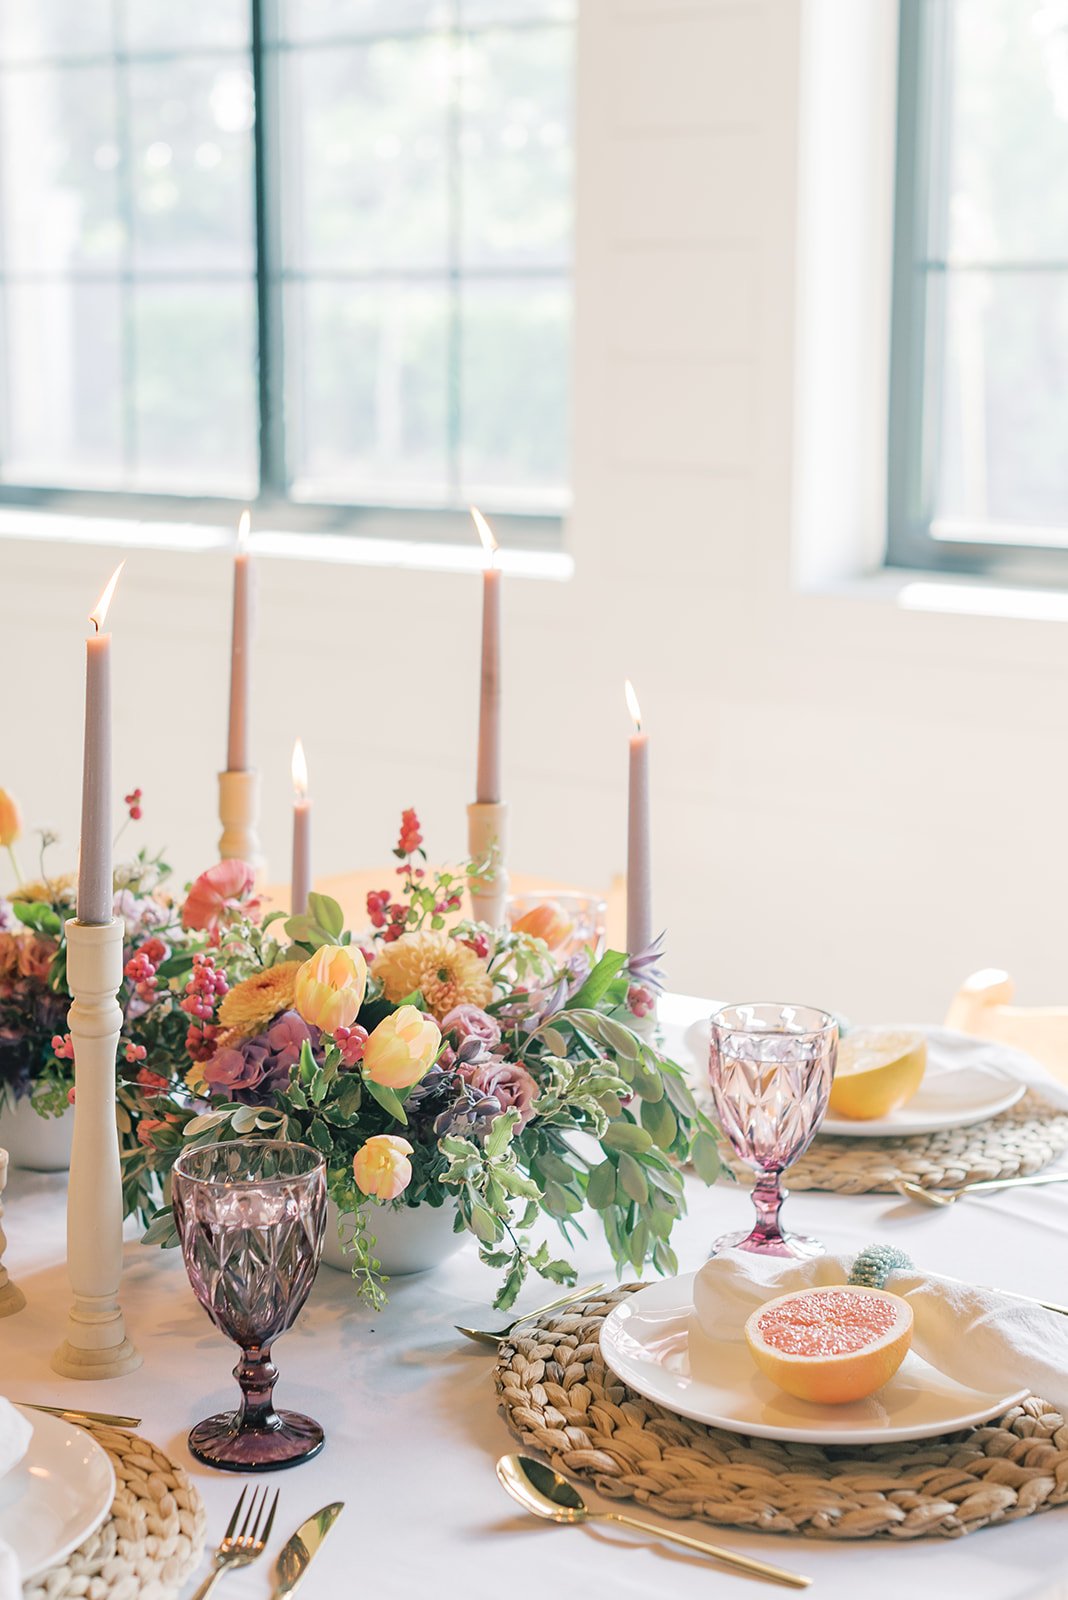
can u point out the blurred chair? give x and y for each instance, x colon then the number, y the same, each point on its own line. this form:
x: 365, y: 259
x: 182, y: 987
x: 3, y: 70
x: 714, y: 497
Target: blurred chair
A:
x: 983, y: 1006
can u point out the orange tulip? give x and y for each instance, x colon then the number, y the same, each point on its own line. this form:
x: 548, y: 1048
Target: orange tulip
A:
x: 547, y: 922
x: 10, y: 820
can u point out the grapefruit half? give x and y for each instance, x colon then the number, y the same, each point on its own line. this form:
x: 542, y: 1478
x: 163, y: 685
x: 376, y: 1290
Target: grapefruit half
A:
x: 831, y: 1345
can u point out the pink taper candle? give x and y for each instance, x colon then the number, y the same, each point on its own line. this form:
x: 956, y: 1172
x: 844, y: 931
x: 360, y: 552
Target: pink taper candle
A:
x: 639, y: 866
x: 240, y: 646
x: 95, y: 892
x: 300, y: 878
x: 488, y: 787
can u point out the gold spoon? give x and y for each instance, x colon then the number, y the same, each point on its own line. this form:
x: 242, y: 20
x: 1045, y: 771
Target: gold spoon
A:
x: 485, y: 1336
x: 949, y: 1197
x: 544, y: 1493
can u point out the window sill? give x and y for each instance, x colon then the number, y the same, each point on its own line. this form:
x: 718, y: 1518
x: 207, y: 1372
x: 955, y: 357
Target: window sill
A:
x: 341, y: 549
x: 909, y: 590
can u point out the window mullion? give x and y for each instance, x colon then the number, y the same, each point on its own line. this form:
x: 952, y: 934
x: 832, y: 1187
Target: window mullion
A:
x: 267, y: 168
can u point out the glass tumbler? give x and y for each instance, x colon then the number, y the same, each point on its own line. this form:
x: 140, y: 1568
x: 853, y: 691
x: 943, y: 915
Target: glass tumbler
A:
x: 771, y: 1068
x: 250, y: 1216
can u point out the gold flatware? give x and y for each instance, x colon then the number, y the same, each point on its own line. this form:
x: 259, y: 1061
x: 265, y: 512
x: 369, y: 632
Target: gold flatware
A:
x: 240, y: 1549
x: 485, y: 1336
x: 949, y: 1197
x: 544, y: 1493
x: 297, y: 1553
x: 106, y: 1419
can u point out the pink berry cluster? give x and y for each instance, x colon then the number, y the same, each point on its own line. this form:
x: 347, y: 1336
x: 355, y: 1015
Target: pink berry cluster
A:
x: 143, y: 965
x: 133, y: 802
x: 135, y: 1052
x: 351, y: 1043
x: 63, y: 1046
x: 640, y: 1000
x: 205, y: 986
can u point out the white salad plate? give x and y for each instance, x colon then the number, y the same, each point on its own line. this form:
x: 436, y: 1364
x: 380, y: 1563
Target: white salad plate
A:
x: 655, y: 1344
x: 57, y: 1495
x: 967, y: 1081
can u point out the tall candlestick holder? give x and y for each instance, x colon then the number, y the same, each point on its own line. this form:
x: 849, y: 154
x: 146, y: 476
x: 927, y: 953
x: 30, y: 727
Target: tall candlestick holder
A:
x: 96, y: 1345
x: 487, y: 841
x: 239, y: 813
x: 12, y: 1298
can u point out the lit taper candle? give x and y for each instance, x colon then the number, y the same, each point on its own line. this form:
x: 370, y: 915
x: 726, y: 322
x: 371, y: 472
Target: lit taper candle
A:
x: 240, y: 647
x: 95, y: 892
x: 300, y: 879
x: 639, y: 867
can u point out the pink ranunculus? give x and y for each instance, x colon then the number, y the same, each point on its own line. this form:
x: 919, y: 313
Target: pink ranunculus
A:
x: 217, y: 894
x: 509, y: 1084
x: 35, y: 957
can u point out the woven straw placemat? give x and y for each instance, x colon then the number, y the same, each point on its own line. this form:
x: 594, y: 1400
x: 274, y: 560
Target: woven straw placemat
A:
x: 560, y: 1399
x: 1018, y: 1142
x: 150, y: 1541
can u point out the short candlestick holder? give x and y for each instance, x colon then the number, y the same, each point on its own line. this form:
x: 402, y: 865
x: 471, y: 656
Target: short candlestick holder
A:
x: 239, y: 813
x: 12, y: 1298
x: 487, y: 841
x: 96, y: 1345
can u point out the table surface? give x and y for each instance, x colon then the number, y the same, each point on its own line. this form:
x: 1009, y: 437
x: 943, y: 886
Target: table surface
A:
x: 412, y: 1422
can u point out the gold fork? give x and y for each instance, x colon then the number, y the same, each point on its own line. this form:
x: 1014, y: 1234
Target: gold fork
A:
x: 949, y: 1197
x: 240, y: 1549
x: 485, y: 1336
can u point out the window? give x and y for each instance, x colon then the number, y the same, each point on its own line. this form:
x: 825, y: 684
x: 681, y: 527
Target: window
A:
x: 359, y: 297
x: 979, y: 388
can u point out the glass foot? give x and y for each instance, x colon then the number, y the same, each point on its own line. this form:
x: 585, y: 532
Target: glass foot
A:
x: 795, y: 1246
x: 221, y: 1442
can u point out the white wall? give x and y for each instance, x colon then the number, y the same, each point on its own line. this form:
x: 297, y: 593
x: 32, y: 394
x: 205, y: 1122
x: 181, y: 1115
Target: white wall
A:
x: 854, y: 804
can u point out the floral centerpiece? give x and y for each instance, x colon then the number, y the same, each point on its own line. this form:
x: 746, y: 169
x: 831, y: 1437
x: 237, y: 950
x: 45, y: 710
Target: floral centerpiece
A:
x: 439, y: 1062
x: 36, y: 1057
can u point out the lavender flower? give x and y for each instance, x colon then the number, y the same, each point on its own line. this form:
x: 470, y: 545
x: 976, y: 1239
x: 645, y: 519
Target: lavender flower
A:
x: 643, y: 966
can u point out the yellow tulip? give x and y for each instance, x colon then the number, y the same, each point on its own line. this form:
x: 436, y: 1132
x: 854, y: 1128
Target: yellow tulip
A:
x: 10, y: 820
x: 401, y: 1049
x: 381, y: 1166
x: 329, y: 988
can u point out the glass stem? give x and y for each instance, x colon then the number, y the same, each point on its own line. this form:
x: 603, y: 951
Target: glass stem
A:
x: 257, y: 1375
x: 768, y: 1196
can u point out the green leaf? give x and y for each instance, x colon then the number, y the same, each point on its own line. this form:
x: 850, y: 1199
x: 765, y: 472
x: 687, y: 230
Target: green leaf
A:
x: 318, y: 1135
x: 626, y: 1136
x: 597, y: 983
x: 705, y: 1157
x: 561, y: 1202
x: 660, y: 1121
x: 555, y: 1166
x: 601, y: 1189
x: 633, y: 1179
x: 620, y: 1039
x: 387, y: 1098
x: 501, y: 1134
x: 210, y: 1119
x: 244, y: 1121
x: 327, y: 913
x: 484, y: 1224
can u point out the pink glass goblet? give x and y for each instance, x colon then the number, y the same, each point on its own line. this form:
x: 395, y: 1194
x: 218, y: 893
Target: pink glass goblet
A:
x: 771, y: 1068
x: 250, y: 1216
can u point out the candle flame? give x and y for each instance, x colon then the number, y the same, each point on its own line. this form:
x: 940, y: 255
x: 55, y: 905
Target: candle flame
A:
x: 100, y: 610
x: 300, y: 771
x: 632, y: 705
x: 485, y: 533
x: 243, y: 526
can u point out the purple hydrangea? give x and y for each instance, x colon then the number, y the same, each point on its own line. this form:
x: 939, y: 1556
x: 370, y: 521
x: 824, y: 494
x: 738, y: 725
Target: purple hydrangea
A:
x: 255, y: 1069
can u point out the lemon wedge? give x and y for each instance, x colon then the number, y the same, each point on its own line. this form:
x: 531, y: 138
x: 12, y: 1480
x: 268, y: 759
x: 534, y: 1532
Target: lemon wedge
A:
x: 878, y: 1070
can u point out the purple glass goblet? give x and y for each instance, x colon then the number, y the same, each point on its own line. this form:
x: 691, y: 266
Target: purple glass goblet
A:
x: 250, y: 1216
x: 771, y: 1068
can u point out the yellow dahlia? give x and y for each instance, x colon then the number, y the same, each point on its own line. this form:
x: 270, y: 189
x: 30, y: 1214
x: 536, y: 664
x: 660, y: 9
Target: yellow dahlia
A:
x: 45, y: 889
x: 253, y: 1003
x: 445, y: 972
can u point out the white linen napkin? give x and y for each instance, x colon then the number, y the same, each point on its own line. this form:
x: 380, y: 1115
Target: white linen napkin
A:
x: 983, y: 1339
x: 949, y: 1052
x: 15, y: 1435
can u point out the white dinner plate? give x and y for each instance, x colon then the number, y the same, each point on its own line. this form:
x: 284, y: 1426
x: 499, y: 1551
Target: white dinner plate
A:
x: 967, y: 1080
x: 58, y: 1495
x: 653, y: 1341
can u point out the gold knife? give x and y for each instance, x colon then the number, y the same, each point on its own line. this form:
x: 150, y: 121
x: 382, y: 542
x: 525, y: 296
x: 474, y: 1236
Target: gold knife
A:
x: 298, y: 1551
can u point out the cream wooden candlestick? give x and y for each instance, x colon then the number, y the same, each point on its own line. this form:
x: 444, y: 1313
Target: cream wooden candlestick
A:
x: 239, y: 813
x: 487, y: 839
x: 96, y: 1345
x: 12, y: 1298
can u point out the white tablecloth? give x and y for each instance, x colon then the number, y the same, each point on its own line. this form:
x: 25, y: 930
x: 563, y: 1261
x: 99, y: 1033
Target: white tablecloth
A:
x: 412, y: 1424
